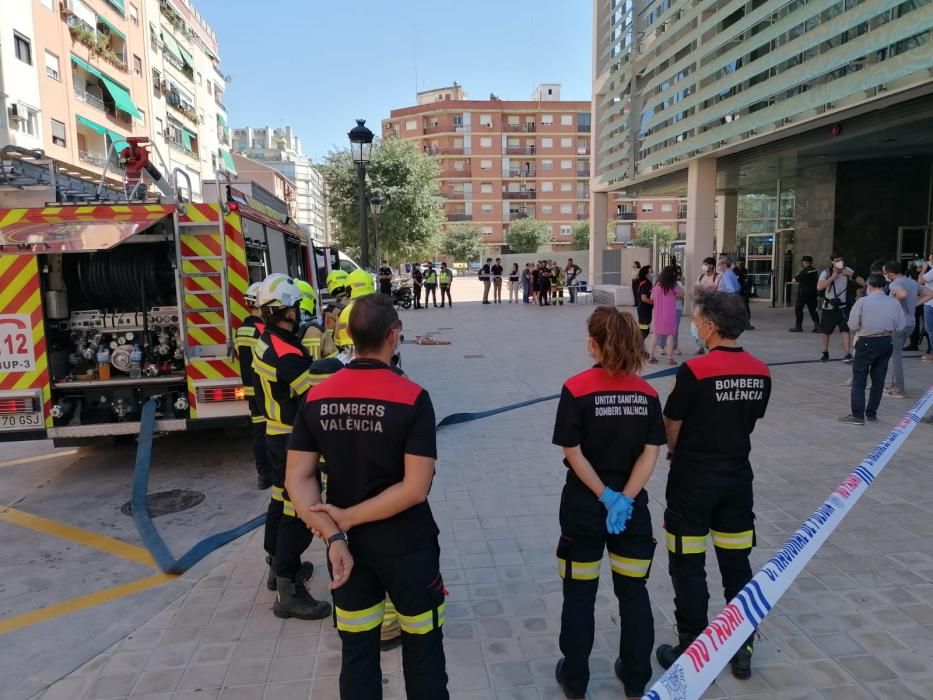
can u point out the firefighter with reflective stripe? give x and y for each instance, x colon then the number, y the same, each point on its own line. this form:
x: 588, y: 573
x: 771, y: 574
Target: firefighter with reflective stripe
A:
x: 609, y: 425
x: 310, y: 331
x: 376, y: 429
x: 247, y: 335
x: 337, y: 286
x: 709, y: 417
x: 283, y: 374
x: 359, y: 284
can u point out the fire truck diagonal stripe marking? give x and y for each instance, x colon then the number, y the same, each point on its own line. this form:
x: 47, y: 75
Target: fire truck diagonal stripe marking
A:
x: 11, y: 217
x: 201, y: 246
x: 12, y: 266
x: 206, y: 336
x: 206, y: 283
x: 24, y: 280
x: 194, y: 214
x: 190, y: 266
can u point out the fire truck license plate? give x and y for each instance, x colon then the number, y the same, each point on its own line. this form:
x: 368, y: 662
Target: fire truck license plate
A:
x: 20, y: 420
x: 17, y: 351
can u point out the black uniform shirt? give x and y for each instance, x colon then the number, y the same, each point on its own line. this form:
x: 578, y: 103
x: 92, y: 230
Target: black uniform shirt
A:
x: 247, y: 335
x: 719, y: 397
x: 644, y: 309
x: 364, y: 420
x: 281, y: 377
x: 496, y: 271
x: 807, y: 279
x: 484, y: 272
x: 611, y: 418
x: 385, y: 285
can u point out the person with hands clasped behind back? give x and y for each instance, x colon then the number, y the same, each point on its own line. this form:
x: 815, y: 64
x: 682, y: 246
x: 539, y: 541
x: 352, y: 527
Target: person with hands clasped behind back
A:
x: 609, y: 424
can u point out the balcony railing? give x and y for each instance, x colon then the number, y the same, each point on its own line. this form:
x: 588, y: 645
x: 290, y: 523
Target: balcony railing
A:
x: 527, y: 194
x: 90, y: 99
x: 516, y: 215
x: 459, y: 217
x: 585, y: 172
x: 97, y: 159
x: 452, y: 172
x: 520, y: 150
x: 522, y: 172
x: 626, y: 216
x: 437, y: 129
x: 582, y: 217
x: 452, y: 151
x: 583, y: 128
x: 520, y: 128
x: 452, y: 195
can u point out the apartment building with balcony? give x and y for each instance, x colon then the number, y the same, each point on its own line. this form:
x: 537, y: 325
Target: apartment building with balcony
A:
x: 503, y: 160
x: 77, y: 80
x: 280, y: 149
x: 626, y: 214
x: 807, y: 124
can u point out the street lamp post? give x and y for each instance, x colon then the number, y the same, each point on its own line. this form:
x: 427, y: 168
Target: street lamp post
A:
x: 375, y: 203
x: 361, y: 144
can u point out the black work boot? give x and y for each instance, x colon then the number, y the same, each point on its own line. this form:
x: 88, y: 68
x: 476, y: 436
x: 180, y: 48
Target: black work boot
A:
x: 270, y: 577
x: 568, y: 693
x: 667, y: 654
x: 293, y: 600
x: 742, y: 661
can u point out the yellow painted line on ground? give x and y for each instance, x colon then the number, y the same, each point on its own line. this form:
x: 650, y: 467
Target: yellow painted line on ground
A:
x: 18, y: 622
x: 39, y: 458
x: 87, y: 538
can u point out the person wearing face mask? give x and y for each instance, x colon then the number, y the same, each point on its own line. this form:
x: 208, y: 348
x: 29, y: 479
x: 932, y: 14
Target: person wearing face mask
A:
x: 728, y: 281
x: 833, y: 285
x: 445, y: 278
x: 710, y: 414
x: 645, y: 303
x: 709, y: 279
x: 636, y: 268
x: 283, y: 372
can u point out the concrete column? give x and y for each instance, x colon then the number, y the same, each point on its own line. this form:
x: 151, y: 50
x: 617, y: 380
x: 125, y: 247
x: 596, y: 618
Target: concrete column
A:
x: 599, y: 226
x: 727, y: 211
x: 701, y: 202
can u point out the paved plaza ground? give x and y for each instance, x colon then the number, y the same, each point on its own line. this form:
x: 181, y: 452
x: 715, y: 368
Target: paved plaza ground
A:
x: 857, y: 624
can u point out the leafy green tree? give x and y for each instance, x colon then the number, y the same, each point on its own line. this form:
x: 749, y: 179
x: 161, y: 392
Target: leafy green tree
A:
x: 580, y: 235
x: 462, y: 242
x: 412, y: 214
x: 527, y: 235
x: 645, y: 233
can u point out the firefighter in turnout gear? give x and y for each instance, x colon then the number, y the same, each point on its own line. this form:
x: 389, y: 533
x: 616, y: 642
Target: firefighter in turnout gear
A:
x: 283, y: 373
x: 337, y: 287
x: 610, y: 427
x: 376, y: 430
x: 311, y: 332
x: 247, y: 335
x: 710, y: 414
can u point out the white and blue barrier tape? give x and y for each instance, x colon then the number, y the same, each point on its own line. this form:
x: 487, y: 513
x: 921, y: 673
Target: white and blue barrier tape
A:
x: 701, y: 663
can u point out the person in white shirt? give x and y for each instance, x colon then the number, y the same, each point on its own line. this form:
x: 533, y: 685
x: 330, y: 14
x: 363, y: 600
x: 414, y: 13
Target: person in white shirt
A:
x: 833, y: 286
x: 926, y: 296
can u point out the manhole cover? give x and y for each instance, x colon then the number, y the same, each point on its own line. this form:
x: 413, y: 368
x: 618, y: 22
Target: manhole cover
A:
x: 474, y: 357
x: 166, y: 502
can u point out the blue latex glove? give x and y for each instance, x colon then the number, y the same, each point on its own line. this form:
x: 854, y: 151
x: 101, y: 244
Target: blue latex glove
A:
x: 619, y: 510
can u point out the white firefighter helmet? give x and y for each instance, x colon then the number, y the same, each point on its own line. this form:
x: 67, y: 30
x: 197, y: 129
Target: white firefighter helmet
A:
x: 278, y: 291
x: 251, y: 293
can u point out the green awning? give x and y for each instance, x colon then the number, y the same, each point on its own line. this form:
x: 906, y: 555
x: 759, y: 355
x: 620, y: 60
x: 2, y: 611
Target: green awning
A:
x: 221, y: 120
x: 171, y: 45
x: 186, y: 56
x: 117, y: 139
x: 86, y: 66
x: 186, y: 137
x: 113, y: 30
x: 118, y: 4
x: 227, y: 159
x: 120, y: 96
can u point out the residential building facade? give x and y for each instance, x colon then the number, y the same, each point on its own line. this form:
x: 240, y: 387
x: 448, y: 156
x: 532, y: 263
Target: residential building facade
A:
x: 504, y: 160
x: 806, y: 124
x: 628, y: 213
x: 270, y: 179
x: 280, y: 149
x: 77, y: 80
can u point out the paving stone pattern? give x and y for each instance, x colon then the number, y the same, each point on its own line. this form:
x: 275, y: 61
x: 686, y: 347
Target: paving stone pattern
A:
x: 858, y: 623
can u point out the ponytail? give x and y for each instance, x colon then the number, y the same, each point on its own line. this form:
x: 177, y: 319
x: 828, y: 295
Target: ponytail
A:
x: 619, y: 340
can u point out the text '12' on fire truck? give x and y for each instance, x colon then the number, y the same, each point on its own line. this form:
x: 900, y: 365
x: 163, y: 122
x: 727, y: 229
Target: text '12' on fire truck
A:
x: 128, y: 294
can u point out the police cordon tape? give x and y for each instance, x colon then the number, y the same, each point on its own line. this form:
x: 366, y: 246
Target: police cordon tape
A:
x: 697, y: 668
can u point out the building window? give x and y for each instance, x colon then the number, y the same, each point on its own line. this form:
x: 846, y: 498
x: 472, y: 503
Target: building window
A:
x: 566, y: 120
x: 512, y: 120
x: 566, y: 208
x: 156, y: 84
x: 458, y: 165
x: 487, y: 230
x: 547, y: 209
x: 547, y: 186
x: 458, y: 143
x: 547, y: 164
x: 210, y: 88
x: 547, y: 119
x: 566, y: 187
x: 411, y: 125
x: 52, y: 66
x: 565, y: 229
x: 485, y: 165
x: 485, y: 120
x: 547, y: 143
x: 486, y: 188
x: 142, y: 117
x: 159, y: 127
x: 137, y: 65
x: 47, y: 4
x: 22, y: 48
x: 458, y: 120
x: 667, y: 207
x: 566, y: 165
x: 566, y: 142
x: 485, y: 142
x: 134, y: 14
x: 647, y: 207
x: 583, y: 122
x: 486, y: 209
x: 58, y: 133
x: 27, y: 123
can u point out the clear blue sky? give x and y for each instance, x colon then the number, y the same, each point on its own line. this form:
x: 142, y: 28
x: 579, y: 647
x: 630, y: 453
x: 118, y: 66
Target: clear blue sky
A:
x: 317, y: 65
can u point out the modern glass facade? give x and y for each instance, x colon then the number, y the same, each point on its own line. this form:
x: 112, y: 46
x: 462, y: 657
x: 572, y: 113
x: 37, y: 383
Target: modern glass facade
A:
x: 680, y: 79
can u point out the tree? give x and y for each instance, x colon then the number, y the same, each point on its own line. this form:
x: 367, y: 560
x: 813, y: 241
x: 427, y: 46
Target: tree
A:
x: 411, y: 215
x: 580, y: 235
x: 645, y: 235
x: 462, y: 242
x: 527, y: 235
